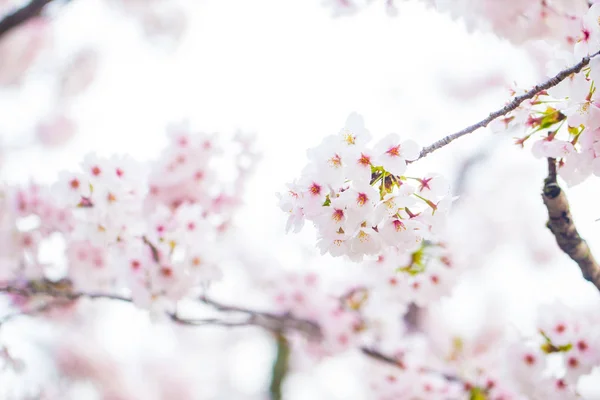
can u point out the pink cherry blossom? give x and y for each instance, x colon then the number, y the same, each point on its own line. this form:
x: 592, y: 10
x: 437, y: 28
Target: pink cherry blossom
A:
x: 392, y: 154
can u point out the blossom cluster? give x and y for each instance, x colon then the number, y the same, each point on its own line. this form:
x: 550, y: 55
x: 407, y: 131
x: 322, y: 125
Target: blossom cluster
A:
x: 359, y: 199
x: 519, y: 21
x: 516, y: 20
x: 491, y: 363
x: 412, y: 376
x: 148, y: 231
x: 564, y: 120
x: 303, y: 296
x: 567, y: 342
x: 419, y: 277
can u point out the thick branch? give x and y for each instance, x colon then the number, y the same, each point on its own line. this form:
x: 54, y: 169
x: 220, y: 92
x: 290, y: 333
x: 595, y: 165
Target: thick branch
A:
x: 563, y: 228
x: 511, y: 106
x: 22, y: 15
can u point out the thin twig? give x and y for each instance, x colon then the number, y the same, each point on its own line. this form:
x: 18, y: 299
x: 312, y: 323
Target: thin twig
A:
x: 271, y: 321
x: 285, y: 322
x: 22, y: 15
x: 370, y: 352
x: 511, y: 106
x: 560, y: 223
x: 35, y: 310
x: 394, y: 361
x: 209, y: 321
x: 47, y: 288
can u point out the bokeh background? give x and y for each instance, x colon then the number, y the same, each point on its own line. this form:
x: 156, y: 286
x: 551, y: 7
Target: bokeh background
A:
x: 291, y: 72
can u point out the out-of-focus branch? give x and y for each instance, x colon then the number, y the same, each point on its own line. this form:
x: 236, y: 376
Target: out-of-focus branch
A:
x: 560, y: 223
x: 39, y: 309
x: 22, y: 15
x: 62, y: 295
x: 370, y: 352
x: 511, y: 106
x: 274, y: 322
x: 394, y: 361
x: 60, y: 290
x: 280, y: 367
x: 271, y: 321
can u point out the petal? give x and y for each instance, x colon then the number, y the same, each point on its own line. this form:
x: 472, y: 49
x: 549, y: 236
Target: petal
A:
x: 394, y: 165
x: 410, y: 150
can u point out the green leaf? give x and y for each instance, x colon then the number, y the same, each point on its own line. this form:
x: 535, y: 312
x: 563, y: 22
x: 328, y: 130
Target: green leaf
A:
x: 550, y: 347
x: 477, y: 394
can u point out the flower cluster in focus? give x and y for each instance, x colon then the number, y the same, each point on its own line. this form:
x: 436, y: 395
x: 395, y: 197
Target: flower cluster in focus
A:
x: 564, y: 121
x: 358, y: 196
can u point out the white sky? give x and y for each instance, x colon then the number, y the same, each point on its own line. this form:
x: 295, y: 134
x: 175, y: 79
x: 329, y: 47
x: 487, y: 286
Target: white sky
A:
x: 289, y: 72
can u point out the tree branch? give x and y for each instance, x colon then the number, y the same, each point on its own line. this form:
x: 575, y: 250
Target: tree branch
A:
x: 276, y: 323
x: 22, y: 15
x: 511, y: 106
x: 280, y: 367
x: 271, y: 321
x: 35, y: 310
x: 563, y: 228
x: 396, y: 362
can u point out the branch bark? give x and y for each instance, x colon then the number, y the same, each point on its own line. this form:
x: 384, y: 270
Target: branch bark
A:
x: 62, y: 295
x: 563, y: 228
x: 511, y: 106
x: 274, y: 322
x: 22, y: 15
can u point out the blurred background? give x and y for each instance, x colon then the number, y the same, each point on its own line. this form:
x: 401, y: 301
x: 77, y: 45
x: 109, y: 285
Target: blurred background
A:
x: 110, y: 77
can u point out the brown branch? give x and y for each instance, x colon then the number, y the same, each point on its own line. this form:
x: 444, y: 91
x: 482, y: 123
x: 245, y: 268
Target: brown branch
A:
x: 370, y: 352
x: 61, y: 289
x: 271, y: 321
x: 285, y: 322
x: 276, y: 323
x: 511, y: 106
x: 210, y: 321
x: 396, y: 362
x: 22, y: 15
x: 563, y: 228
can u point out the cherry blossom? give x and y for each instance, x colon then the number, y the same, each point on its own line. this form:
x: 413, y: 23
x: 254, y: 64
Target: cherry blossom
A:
x: 564, y: 119
x: 361, y: 206
x: 160, y: 239
x: 22, y: 46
